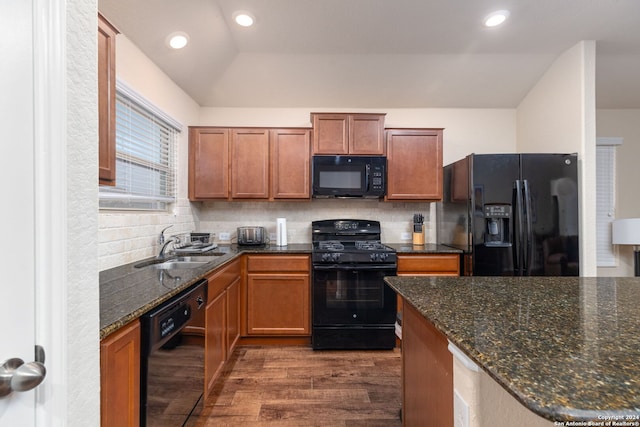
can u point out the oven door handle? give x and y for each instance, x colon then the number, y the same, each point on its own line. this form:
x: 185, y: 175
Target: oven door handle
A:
x: 355, y: 267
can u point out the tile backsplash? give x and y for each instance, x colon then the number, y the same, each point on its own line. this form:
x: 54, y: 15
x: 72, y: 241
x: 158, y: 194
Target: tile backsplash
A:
x: 126, y: 237
x: 225, y: 217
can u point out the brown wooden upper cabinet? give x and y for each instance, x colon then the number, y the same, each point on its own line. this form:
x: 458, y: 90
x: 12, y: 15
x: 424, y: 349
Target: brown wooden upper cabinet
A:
x: 249, y: 163
x: 414, y: 164
x: 208, y: 163
x: 106, y: 102
x: 348, y: 133
x: 290, y: 163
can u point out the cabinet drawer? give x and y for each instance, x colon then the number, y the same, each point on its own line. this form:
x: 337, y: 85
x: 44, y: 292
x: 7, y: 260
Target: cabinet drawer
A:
x: 220, y: 279
x: 278, y: 263
x: 429, y: 264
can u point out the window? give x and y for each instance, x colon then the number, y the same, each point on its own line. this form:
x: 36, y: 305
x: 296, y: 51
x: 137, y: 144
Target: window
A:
x: 605, y: 199
x: 145, y: 155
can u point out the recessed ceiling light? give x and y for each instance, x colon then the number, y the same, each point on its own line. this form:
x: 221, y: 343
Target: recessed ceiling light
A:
x: 496, y: 18
x: 244, y: 19
x: 178, y: 40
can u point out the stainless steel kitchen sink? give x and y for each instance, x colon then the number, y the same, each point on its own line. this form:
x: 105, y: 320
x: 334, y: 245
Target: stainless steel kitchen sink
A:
x: 182, y: 262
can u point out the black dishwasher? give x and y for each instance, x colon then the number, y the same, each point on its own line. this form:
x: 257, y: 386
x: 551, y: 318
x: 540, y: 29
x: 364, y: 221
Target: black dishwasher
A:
x: 172, y: 359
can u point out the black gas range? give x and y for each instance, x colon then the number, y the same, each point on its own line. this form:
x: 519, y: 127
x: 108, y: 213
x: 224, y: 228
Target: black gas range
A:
x: 352, y: 306
x: 360, y: 251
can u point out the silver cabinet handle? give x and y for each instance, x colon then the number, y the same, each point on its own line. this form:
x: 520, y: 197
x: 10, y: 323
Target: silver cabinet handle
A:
x: 15, y: 375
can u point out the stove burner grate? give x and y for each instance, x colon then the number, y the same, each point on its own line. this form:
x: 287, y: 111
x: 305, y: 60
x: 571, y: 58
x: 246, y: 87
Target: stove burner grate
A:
x: 331, y: 245
x: 365, y: 245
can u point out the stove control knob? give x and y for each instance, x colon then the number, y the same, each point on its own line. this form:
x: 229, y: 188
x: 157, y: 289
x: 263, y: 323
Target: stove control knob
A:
x: 373, y: 257
x: 331, y: 257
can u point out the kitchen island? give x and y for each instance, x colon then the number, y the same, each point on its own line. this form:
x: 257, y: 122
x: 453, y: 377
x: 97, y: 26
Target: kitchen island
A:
x: 550, y: 350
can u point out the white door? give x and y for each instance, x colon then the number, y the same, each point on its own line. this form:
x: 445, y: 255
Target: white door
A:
x: 17, y: 336
x: 32, y: 258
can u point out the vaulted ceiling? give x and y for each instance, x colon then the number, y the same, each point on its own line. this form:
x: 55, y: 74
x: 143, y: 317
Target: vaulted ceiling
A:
x: 381, y: 53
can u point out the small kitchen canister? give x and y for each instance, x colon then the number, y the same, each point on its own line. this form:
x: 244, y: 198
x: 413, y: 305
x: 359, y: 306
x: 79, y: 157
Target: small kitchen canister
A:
x: 281, y: 232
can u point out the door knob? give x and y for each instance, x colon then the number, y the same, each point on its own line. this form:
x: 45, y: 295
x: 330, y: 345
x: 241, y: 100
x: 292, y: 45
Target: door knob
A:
x: 15, y: 375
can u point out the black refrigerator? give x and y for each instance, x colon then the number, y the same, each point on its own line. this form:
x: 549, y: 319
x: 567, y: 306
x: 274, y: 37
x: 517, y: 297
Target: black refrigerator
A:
x: 512, y: 214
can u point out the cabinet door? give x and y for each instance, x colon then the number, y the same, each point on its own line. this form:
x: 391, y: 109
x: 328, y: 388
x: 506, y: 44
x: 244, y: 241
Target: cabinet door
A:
x: 215, y: 340
x: 330, y: 133
x: 290, y: 172
x: 120, y: 377
x: 233, y: 315
x: 366, y: 134
x: 106, y: 102
x: 250, y: 163
x: 208, y: 163
x: 427, y: 265
x: 427, y: 373
x: 348, y: 134
x: 278, y: 304
x: 414, y: 164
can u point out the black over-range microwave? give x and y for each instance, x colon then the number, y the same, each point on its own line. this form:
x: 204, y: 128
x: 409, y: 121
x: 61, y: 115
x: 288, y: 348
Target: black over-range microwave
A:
x: 349, y: 176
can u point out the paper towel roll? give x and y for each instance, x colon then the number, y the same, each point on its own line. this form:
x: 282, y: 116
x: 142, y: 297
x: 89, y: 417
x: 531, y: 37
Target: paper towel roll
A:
x: 281, y: 232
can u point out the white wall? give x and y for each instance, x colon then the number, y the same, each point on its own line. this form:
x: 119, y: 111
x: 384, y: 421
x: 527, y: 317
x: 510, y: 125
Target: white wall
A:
x: 82, y: 355
x: 625, y: 124
x: 558, y: 115
x: 486, y: 402
x: 124, y: 237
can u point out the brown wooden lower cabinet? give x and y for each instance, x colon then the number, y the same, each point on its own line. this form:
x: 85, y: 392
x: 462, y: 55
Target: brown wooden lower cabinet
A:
x: 427, y: 373
x: 120, y: 377
x: 278, y: 295
x: 215, y: 339
x: 278, y: 304
x: 233, y: 315
x: 222, y: 320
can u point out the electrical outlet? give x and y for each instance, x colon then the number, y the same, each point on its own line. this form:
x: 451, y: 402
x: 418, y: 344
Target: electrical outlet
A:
x: 405, y: 236
x: 224, y: 236
x: 272, y: 237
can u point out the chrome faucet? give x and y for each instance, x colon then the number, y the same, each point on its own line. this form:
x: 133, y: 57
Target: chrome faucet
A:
x: 161, y: 236
x: 164, y: 246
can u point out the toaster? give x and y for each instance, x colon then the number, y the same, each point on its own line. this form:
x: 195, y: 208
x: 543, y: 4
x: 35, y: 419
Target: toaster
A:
x: 252, y: 236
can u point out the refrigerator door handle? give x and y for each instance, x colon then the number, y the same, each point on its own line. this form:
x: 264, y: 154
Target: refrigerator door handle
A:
x: 518, y: 233
x: 528, y: 244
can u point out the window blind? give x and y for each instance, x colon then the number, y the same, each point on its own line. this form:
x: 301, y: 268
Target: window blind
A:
x: 145, y: 155
x: 605, y: 201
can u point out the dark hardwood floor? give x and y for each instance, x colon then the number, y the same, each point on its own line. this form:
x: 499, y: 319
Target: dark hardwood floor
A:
x: 296, y: 386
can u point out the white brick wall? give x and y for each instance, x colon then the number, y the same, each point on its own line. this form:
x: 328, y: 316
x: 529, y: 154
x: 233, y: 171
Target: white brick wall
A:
x: 126, y: 237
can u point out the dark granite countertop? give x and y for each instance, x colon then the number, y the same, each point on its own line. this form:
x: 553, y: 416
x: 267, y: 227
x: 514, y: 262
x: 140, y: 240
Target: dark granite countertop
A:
x: 566, y: 348
x: 428, y: 248
x: 127, y: 292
